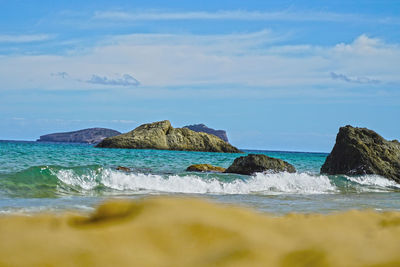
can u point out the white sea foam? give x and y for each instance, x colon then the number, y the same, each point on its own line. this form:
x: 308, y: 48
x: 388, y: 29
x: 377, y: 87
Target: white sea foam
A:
x: 295, y: 183
x: 373, y: 180
x: 85, y: 181
x: 261, y: 183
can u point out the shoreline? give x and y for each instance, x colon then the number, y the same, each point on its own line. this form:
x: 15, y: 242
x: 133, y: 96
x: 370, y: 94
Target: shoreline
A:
x: 172, y: 231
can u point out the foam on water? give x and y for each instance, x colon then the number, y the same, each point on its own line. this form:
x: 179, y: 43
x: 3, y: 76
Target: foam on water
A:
x: 84, y: 181
x: 373, y: 180
x: 302, y: 183
x: 261, y: 183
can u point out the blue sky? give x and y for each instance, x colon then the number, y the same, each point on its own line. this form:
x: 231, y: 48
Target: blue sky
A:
x: 280, y: 75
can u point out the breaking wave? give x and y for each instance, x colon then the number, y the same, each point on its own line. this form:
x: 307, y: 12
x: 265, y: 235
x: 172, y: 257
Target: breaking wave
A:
x: 52, y: 181
x: 367, y: 182
x: 260, y: 183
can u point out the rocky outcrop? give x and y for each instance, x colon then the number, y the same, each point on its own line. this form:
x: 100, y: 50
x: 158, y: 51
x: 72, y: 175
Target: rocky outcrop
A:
x: 161, y: 135
x: 91, y: 136
x: 204, y: 129
x: 204, y: 168
x: 363, y: 151
x: 259, y: 163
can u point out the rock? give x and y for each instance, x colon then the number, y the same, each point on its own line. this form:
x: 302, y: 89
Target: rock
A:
x: 161, y: 135
x: 204, y: 168
x: 202, y: 128
x: 91, y: 136
x: 122, y: 168
x: 363, y: 151
x: 259, y: 163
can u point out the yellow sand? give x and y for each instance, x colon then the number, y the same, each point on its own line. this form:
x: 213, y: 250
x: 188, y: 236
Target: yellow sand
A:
x: 193, y: 232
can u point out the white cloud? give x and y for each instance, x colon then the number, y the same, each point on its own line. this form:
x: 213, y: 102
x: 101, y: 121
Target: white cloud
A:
x: 250, y: 62
x: 285, y: 15
x: 28, y: 38
x: 362, y: 45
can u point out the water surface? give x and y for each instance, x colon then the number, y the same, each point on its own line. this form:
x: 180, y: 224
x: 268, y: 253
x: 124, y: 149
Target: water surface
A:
x: 56, y: 177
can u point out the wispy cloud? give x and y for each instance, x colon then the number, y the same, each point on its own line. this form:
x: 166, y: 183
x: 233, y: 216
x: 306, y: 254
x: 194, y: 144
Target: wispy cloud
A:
x: 125, y: 80
x: 59, y: 120
x: 72, y: 120
x: 353, y: 79
x: 17, y: 118
x: 28, y: 38
x: 250, y: 62
x: 62, y: 74
x: 285, y: 15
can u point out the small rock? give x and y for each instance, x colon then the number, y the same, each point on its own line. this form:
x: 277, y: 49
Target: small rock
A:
x: 125, y: 169
x: 204, y: 168
x: 259, y: 163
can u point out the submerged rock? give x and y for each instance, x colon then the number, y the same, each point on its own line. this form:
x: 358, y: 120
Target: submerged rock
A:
x: 161, y: 135
x: 91, y: 136
x: 202, y: 128
x: 259, y: 163
x: 204, y: 168
x: 363, y: 151
x: 122, y: 168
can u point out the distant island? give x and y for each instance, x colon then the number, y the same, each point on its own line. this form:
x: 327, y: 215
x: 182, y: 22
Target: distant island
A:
x: 204, y: 129
x: 90, y: 136
x: 96, y: 135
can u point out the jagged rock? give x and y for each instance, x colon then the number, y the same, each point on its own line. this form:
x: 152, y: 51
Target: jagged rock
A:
x: 202, y: 128
x: 259, y: 163
x: 363, y: 151
x: 204, y: 168
x: 161, y: 135
x: 122, y: 168
x: 91, y: 136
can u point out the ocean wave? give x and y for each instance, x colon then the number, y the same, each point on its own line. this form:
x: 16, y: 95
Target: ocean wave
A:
x: 54, y: 181
x: 296, y: 183
x: 84, y: 181
x: 260, y: 183
x: 374, y: 181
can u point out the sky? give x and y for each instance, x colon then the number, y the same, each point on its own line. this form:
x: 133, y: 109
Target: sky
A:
x: 276, y: 75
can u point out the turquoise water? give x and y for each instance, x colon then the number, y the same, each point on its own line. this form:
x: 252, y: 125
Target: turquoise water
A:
x: 57, y: 177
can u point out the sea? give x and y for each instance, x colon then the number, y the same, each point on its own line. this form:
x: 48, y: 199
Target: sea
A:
x: 58, y: 177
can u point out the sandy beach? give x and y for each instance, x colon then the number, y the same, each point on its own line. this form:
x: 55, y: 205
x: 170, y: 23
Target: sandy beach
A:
x: 171, y: 231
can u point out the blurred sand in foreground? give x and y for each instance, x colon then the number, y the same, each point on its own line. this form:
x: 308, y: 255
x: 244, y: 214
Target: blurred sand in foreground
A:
x: 167, y: 231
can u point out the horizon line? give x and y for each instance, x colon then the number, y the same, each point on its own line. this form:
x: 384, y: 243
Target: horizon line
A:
x: 243, y: 149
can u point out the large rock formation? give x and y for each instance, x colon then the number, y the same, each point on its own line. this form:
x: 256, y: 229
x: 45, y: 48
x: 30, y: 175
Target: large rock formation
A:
x: 363, y: 151
x: 204, y: 129
x: 91, y: 136
x: 259, y: 163
x: 161, y: 135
